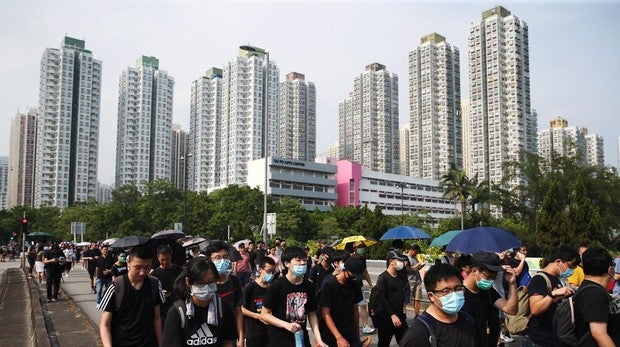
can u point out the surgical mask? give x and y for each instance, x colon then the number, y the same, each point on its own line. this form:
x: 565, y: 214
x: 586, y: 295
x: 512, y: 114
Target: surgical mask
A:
x: 122, y: 259
x: 567, y: 273
x: 267, y: 278
x: 484, y: 284
x: 341, y: 267
x: 360, y: 251
x: 452, y: 303
x: 299, y: 270
x: 400, y: 265
x: 204, y: 292
x: 222, y: 265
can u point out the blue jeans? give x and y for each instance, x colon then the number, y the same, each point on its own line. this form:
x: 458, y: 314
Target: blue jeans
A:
x: 102, y: 282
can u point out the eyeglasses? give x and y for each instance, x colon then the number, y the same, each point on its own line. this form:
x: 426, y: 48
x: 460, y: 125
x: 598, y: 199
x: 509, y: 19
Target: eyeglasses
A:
x: 448, y: 291
x: 219, y: 257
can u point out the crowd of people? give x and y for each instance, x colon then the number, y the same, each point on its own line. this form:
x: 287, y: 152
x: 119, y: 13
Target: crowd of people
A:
x: 253, y: 295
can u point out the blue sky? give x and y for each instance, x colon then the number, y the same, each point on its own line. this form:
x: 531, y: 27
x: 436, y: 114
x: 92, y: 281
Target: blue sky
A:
x: 574, y: 51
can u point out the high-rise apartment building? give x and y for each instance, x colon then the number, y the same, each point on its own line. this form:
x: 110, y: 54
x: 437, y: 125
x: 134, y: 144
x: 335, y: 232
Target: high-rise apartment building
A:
x: 242, y: 123
x: 68, y: 128
x: 297, y: 126
x: 22, y: 143
x: 595, y: 152
x: 434, y: 108
x: 104, y: 193
x: 563, y: 140
x: 502, y: 123
x: 331, y: 151
x: 465, y: 123
x: 404, y: 149
x: 180, y: 157
x: 368, y: 121
x: 144, y: 131
x: 4, y: 175
x: 205, y: 132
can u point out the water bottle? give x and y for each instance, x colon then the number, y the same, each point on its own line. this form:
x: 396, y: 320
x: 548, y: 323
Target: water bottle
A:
x: 299, y: 338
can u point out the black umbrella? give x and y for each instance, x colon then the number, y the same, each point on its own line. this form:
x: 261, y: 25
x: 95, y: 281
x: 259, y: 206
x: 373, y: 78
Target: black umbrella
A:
x: 39, y: 235
x: 130, y: 241
x: 174, y: 234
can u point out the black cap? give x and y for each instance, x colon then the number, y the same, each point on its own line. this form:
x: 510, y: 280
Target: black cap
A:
x: 355, y: 265
x: 486, y: 260
x: 395, y: 255
x: 415, y: 247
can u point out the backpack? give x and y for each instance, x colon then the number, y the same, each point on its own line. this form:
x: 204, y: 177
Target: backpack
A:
x: 430, y: 325
x: 564, y: 319
x: 517, y: 324
x: 119, y: 284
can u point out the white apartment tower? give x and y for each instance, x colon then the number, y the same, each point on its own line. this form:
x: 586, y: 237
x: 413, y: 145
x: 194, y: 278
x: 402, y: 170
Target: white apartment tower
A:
x: 570, y: 141
x: 502, y: 123
x: 297, y: 127
x: 22, y: 143
x: 4, y: 174
x: 595, y: 153
x: 368, y: 121
x: 465, y: 123
x: 179, y: 157
x: 434, y: 108
x: 68, y: 127
x: 404, y: 148
x: 205, y: 132
x: 144, y: 132
x: 242, y: 124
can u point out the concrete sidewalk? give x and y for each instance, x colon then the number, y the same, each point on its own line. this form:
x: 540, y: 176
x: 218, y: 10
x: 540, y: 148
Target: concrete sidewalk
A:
x: 27, y: 319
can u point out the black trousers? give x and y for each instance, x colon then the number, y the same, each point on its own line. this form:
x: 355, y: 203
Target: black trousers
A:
x: 52, y: 279
x: 386, y: 329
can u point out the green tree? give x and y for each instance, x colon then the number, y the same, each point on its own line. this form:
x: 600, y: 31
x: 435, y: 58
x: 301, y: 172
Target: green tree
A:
x: 458, y: 187
x: 551, y: 219
x: 584, y: 220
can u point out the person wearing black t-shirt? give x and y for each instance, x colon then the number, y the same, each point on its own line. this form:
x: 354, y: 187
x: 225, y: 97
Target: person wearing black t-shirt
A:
x: 135, y: 321
x: 199, y: 317
x: 91, y: 256
x: 289, y: 302
x: 167, y: 273
x: 322, y: 268
x: 594, y: 324
x: 120, y: 267
x: 389, y: 317
x: 103, y: 271
x: 450, y: 325
x: 254, y: 293
x: 544, y: 298
x: 338, y: 301
x: 54, y: 261
x: 228, y: 286
x: 480, y: 296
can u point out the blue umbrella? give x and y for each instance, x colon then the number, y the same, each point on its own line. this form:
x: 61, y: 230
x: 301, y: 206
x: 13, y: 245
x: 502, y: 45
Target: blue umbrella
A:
x: 488, y: 239
x: 405, y: 232
x: 444, y: 238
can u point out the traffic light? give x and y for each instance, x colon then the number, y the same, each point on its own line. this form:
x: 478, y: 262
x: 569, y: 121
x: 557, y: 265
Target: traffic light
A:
x: 25, y: 225
x: 14, y: 236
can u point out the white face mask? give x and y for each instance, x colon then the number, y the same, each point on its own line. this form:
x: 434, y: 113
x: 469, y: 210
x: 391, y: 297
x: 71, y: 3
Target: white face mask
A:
x: 204, y: 292
x: 400, y: 265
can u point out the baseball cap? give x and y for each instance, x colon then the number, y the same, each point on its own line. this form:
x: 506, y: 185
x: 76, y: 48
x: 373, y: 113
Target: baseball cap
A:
x: 487, y: 260
x: 355, y: 265
x: 395, y: 255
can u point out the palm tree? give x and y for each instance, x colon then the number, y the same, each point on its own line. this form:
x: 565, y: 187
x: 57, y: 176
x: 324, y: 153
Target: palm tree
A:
x: 458, y: 187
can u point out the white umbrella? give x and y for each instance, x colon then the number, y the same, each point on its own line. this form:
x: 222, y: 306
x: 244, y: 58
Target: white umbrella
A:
x: 109, y: 241
x: 85, y: 243
x: 245, y: 243
x: 193, y: 241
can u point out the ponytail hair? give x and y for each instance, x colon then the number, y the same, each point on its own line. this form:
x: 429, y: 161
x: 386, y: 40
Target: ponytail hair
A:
x: 194, y: 271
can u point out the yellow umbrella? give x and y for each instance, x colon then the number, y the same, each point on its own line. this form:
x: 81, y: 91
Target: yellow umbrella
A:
x: 368, y: 241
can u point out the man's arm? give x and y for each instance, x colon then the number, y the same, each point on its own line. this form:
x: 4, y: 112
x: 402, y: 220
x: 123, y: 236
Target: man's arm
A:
x: 509, y: 306
x: 517, y: 270
x: 329, y: 321
x: 599, y: 334
x: 367, y: 277
x: 105, y: 329
x: 268, y: 317
x: 314, y: 323
x: 157, y: 325
x: 240, y: 330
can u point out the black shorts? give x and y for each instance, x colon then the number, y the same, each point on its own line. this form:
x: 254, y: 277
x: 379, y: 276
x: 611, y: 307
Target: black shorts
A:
x: 91, y: 273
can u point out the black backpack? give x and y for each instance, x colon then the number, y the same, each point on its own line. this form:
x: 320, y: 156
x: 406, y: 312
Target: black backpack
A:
x: 564, y: 320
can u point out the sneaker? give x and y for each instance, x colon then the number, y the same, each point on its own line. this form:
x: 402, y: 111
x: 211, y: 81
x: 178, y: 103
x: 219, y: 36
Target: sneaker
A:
x: 368, y: 330
x: 506, y: 339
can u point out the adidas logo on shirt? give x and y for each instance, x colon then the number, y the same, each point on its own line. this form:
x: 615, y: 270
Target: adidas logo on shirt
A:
x: 203, y: 336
